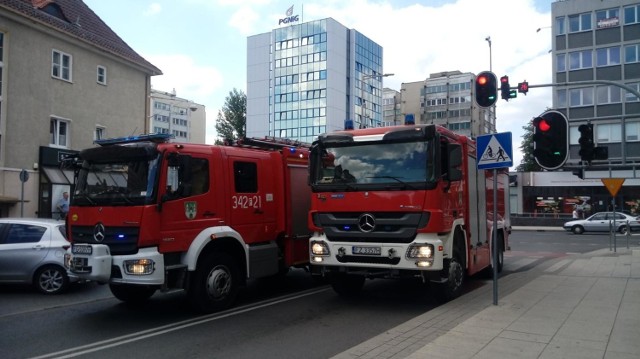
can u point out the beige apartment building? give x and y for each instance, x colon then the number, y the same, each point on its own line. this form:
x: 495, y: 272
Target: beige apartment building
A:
x: 66, y: 80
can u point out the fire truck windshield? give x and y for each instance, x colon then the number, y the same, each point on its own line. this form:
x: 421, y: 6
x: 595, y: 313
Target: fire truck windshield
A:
x: 369, y: 165
x: 116, y: 183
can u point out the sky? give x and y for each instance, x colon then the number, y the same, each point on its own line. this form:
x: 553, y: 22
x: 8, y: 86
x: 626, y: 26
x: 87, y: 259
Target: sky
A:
x: 201, y: 45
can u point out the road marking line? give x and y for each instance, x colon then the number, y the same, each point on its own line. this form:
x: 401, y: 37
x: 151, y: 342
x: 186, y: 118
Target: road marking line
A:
x: 125, y: 339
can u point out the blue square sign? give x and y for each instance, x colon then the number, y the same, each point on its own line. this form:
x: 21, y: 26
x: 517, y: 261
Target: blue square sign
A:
x: 495, y: 151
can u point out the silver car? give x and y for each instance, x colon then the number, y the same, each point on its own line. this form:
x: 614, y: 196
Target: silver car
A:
x: 32, y: 251
x: 600, y: 222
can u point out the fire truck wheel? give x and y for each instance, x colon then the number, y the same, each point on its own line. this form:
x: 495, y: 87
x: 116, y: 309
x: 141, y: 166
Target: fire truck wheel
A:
x: 134, y: 294
x: 347, y: 285
x: 452, y: 288
x: 215, y: 283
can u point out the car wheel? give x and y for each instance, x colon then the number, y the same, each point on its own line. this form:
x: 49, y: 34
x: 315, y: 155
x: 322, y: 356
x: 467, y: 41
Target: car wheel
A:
x: 577, y: 230
x: 623, y: 229
x: 51, y: 279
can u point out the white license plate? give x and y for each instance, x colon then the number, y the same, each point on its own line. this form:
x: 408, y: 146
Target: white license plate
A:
x: 81, y: 249
x: 367, y: 251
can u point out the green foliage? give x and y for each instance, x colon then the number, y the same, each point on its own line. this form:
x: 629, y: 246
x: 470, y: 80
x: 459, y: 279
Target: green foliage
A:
x: 232, y: 118
x: 528, y: 163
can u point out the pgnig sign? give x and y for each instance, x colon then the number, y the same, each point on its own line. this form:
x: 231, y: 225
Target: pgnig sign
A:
x: 290, y: 17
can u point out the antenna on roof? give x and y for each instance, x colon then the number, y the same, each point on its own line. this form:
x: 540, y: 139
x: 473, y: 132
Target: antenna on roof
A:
x: 77, y: 23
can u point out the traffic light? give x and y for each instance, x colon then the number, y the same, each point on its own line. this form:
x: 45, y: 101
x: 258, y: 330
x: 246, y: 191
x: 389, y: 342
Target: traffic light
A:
x: 505, y: 88
x: 551, y: 139
x: 587, y: 146
x: 486, y: 89
x: 523, y: 87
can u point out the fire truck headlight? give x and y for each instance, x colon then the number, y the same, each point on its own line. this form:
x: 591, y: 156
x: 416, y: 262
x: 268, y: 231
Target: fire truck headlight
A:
x: 319, y: 249
x: 139, y: 266
x: 420, y: 251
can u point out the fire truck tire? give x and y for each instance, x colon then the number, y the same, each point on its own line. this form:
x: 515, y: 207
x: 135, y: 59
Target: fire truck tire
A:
x: 215, y: 283
x: 347, y: 285
x: 452, y: 288
x: 134, y: 294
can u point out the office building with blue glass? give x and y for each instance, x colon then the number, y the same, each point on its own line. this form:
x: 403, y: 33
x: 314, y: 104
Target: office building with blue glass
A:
x: 309, y: 78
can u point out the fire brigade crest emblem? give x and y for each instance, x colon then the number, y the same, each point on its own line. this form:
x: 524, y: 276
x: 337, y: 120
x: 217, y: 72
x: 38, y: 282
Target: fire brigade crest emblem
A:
x: 190, y: 209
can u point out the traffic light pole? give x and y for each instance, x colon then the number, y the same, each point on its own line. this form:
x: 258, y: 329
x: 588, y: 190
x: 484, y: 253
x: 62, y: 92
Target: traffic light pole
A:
x: 594, y: 82
x: 627, y: 88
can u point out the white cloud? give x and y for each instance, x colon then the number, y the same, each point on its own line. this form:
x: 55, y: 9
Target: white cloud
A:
x: 191, y: 81
x: 153, y: 9
x: 244, y: 19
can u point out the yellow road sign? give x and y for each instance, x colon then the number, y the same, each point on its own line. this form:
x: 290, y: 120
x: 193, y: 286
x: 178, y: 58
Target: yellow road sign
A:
x: 613, y: 185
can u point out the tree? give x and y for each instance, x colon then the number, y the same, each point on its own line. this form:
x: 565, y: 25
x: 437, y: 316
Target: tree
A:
x: 232, y: 118
x: 528, y: 163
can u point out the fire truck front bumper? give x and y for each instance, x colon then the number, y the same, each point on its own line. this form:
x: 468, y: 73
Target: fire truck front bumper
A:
x: 95, y: 262
x: 425, y: 253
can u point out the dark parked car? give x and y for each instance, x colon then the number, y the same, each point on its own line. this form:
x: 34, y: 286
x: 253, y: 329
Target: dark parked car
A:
x: 600, y: 222
x: 32, y: 251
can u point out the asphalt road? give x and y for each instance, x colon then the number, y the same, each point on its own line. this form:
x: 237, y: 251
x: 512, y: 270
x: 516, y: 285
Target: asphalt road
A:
x: 290, y: 317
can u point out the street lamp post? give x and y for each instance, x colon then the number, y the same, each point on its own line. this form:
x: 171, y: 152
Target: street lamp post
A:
x: 365, y: 114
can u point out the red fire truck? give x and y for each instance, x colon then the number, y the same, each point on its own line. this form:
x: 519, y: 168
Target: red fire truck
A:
x: 149, y: 214
x: 403, y: 201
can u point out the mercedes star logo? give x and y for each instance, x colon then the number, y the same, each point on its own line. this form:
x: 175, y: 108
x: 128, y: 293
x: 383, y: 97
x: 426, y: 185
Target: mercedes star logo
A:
x: 367, y: 222
x: 98, y: 232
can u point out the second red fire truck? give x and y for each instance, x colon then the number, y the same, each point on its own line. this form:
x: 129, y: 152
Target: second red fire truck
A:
x: 148, y: 214
x: 404, y: 201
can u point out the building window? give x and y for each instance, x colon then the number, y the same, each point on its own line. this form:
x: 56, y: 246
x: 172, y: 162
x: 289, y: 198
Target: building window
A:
x: 608, y: 133
x: 560, y: 30
x: 607, y: 18
x: 632, y: 131
x: 58, y: 130
x: 608, y: 56
x: 102, y: 75
x: 608, y: 94
x: 562, y: 97
x: 61, y: 65
x: 574, y: 135
x: 580, y: 22
x: 99, y: 134
x: 580, y: 60
x: 631, y: 14
x: 581, y: 97
x: 561, y: 62
x: 631, y: 53
x: 630, y: 97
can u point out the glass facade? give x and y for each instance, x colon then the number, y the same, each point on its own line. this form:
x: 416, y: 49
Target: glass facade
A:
x: 368, y: 84
x: 298, y: 90
x: 299, y: 83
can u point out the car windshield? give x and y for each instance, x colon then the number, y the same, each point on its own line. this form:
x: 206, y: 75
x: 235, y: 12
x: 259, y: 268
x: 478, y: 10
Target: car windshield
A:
x: 404, y: 165
x: 116, y: 183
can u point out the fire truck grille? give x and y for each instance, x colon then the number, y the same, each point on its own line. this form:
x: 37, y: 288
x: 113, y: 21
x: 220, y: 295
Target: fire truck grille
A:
x: 370, y: 260
x: 121, y: 240
x: 359, y: 227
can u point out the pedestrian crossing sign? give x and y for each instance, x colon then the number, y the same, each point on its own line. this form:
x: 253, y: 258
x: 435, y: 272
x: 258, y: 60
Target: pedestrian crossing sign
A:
x: 494, y: 151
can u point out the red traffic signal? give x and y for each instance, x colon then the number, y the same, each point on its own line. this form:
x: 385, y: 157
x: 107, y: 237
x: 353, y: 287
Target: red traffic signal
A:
x: 551, y: 139
x: 486, y: 89
x: 523, y: 87
x: 505, y: 88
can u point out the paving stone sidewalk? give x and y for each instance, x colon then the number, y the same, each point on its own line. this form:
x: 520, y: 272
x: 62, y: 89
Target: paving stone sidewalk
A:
x: 582, y: 306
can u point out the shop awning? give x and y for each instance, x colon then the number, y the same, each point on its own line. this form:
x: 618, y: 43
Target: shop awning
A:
x: 8, y: 200
x: 58, y: 176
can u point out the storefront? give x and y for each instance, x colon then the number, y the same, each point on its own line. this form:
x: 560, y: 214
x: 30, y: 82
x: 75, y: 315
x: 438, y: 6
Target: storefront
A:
x: 549, y: 194
x: 54, y: 181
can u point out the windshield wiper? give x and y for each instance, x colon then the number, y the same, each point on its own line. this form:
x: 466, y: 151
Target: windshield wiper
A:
x: 397, y: 179
x: 85, y: 197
